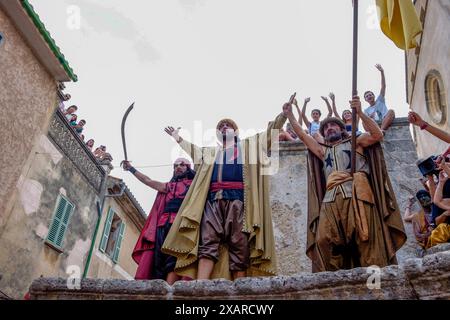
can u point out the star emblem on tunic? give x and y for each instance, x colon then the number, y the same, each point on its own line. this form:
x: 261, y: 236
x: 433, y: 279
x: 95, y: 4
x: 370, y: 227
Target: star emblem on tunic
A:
x: 329, y: 161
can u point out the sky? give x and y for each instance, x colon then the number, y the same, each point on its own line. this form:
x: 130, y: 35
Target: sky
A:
x: 190, y: 63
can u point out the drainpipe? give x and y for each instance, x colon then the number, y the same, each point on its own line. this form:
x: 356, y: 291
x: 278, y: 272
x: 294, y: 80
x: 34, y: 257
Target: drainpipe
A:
x: 100, y: 208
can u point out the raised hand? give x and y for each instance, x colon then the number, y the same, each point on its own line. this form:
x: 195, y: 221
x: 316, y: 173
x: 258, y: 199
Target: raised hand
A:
x: 324, y: 98
x: 287, y: 109
x: 295, y: 103
x: 332, y: 96
x: 379, y: 67
x: 126, y: 165
x: 171, y: 131
x: 444, y: 167
x: 307, y: 100
x: 355, y: 103
x: 415, y: 119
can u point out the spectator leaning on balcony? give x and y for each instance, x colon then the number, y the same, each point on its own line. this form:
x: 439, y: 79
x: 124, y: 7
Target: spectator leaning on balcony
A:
x: 73, y: 120
x: 90, y: 144
x: 80, y: 126
x: 100, y: 152
x: 69, y: 112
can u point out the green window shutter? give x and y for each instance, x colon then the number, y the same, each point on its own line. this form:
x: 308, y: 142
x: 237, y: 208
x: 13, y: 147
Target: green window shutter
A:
x: 56, y: 221
x: 115, y: 257
x: 106, y: 230
x: 64, y: 223
x: 60, y: 221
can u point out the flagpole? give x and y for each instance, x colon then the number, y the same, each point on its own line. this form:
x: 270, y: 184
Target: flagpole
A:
x: 354, y: 81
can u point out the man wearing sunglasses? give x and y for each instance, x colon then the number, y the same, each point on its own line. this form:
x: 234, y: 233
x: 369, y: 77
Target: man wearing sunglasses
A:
x: 153, y: 263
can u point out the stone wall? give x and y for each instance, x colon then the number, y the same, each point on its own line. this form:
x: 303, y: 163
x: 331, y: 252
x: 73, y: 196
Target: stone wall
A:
x: 426, y: 278
x: 28, y: 97
x: 55, y: 168
x: 289, y: 195
x: 433, y: 54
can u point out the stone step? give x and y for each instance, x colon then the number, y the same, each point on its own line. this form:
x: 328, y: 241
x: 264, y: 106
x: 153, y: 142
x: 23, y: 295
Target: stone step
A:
x: 419, y: 278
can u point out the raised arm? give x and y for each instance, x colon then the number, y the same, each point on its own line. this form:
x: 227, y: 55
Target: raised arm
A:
x: 156, y: 185
x: 300, y: 114
x: 374, y: 133
x: 431, y: 185
x: 416, y: 120
x: 309, y: 141
x: 277, y: 124
x: 333, y: 102
x: 408, y: 217
x: 383, y: 80
x: 330, y: 110
x: 439, y: 200
x: 305, y: 118
x: 191, y: 149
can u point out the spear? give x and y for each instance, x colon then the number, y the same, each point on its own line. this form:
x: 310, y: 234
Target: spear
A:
x: 354, y: 81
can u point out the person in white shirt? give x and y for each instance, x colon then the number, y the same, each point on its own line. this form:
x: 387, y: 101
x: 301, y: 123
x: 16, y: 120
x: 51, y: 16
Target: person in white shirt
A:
x: 377, y: 109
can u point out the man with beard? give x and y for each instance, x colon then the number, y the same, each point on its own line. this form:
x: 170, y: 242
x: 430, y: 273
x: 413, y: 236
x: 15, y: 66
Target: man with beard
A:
x: 353, y: 221
x: 152, y: 263
x: 224, y: 228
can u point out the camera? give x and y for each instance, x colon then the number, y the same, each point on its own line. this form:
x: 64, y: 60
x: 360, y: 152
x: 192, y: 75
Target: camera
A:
x: 428, y: 166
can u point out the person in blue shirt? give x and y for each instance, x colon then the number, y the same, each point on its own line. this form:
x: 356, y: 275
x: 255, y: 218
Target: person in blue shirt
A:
x: 377, y: 108
x: 314, y: 125
x: 346, y: 116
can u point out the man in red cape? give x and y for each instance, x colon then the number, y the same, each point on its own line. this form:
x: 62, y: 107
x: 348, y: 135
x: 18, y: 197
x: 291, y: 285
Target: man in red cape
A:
x: 152, y: 263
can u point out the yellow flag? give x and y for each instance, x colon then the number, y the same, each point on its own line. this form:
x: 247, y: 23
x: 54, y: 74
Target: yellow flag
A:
x: 399, y: 22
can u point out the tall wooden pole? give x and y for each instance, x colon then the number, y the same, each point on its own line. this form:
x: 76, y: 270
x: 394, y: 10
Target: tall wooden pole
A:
x: 354, y: 81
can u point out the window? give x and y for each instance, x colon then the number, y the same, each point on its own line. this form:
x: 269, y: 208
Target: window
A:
x: 112, y: 236
x: 435, y: 97
x: 60, y: 221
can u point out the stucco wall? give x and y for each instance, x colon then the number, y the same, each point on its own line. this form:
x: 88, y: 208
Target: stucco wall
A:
x: 101, y: 265
x: 27, y: 99
x: 24, y: 256
x: 289, y: 196
x: 434, y: 55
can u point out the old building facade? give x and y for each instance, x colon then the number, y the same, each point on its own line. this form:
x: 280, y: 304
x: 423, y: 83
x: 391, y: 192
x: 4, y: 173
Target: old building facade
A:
x: 53, y: 187
x: 428, y: 74
x: 121, y: 223
x: 26, y: 61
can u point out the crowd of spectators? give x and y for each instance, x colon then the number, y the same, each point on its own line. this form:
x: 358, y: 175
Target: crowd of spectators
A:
x: 431, y: 218
x: 376, y: 109
x: 78, y: 126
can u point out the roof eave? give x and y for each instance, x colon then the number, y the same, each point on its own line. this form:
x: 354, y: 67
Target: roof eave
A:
x: 33, y: 31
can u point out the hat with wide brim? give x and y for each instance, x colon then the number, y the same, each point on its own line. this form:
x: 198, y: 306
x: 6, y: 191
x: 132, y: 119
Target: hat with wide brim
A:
x: 337, y: 121
x: 230, y: 122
